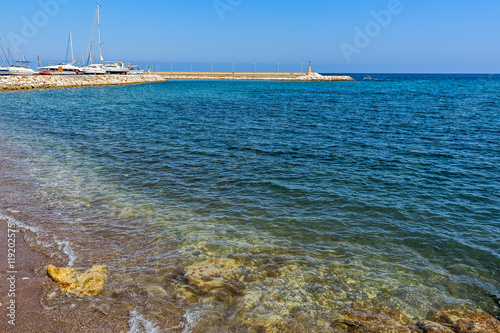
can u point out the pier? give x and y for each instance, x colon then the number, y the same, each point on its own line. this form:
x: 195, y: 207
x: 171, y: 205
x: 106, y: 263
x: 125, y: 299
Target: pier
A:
x: 265, y: 76
x: 70, y: 81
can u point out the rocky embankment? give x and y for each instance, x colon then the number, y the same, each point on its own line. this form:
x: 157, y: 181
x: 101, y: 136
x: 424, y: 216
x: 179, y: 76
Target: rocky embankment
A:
x: 319, y: 77
x: 272, y: 76
x: 68, y: 81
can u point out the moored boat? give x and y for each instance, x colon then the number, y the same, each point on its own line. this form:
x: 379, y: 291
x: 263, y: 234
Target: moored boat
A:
x: 18, y: 70
x: 94, y: 69
x: 116, y: 68
x: 60, y: 69
x: 134, y: 70
x: 109, y: 67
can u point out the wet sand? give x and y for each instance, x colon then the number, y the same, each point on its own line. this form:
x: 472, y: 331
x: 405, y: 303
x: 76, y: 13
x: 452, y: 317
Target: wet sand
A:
x: 31, y: 280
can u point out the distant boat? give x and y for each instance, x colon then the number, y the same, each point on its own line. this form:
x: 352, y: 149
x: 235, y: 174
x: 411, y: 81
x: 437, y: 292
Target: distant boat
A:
x: 22, y: 69
x: 19, y: 70
x: 60, y: 69
x: 64, y: 68
x: 94, y: 69
x: 116, y: 68
x: 111, y: 67
x: 134, y: 70
x: 367, y: 78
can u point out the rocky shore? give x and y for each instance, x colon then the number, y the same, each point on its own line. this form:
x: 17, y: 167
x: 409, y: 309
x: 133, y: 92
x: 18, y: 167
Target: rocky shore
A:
x: 68, y: 81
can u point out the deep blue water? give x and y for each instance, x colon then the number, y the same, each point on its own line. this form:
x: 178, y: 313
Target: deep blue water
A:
x: 306, y: 197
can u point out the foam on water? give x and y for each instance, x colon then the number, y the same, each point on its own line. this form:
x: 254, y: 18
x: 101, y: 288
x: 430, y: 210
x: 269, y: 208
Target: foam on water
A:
x: 43, y: 239
x: 192, y: 318
x: 139, y: 324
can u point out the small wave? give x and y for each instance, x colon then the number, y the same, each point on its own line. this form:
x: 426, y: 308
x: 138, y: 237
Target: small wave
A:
x: 66, y: 248
x: 192, y: 317
x: 139, y: 324
x: 20, y: 225
x: 64, y: 245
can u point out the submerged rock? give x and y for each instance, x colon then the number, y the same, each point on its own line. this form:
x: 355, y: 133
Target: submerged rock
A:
x: 89, y: 283
x: 366, y: 320
x: 465, y: 321
x: 216, y: 273
x: 430, y: 327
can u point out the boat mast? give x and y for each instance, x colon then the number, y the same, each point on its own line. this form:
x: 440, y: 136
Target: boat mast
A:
x: 3, y: 55
x: 99, y: 33
x: 10, y: 58
x: 71, y: 42
x: 90, y: 47
x: 70, y: 47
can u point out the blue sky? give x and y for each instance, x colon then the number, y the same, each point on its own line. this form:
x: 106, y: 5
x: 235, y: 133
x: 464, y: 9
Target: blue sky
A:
x: 338, y: 36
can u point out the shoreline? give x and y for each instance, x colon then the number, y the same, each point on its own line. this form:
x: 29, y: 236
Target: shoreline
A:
x: 31, y: 284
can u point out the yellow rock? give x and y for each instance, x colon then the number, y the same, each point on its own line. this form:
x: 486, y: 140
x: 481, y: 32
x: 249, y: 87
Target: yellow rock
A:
x: 216, y: 273
x: 89, y: 283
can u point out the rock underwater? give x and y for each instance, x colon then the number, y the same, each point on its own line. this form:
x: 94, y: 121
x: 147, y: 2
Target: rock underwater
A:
x: 89, y: 283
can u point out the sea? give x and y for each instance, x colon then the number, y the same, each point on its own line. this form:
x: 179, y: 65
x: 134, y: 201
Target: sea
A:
x: 238, y: 205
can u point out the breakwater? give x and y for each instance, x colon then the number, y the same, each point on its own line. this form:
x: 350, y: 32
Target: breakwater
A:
x: 68, y: 81
x: 270, y: 76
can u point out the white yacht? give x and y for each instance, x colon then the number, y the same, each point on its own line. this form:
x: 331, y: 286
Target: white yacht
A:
x: 21, y: 69
x: 116, y: 68
x: 110, y: 67
x: 18, y: 70
x: 60, y: 69
x: 94, y: 69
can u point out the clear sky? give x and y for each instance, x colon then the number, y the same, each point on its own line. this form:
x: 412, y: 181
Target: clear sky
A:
x: 338, y: 36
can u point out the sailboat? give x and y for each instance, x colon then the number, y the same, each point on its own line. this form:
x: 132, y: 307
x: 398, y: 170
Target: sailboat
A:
x: 101, y: 68
x: 64, y: 68
x: 22, y: 69
x: 3, y: 70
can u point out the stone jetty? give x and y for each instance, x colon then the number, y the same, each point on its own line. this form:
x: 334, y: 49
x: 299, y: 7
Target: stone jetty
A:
x: 270, y: 76
x: 69, y: 81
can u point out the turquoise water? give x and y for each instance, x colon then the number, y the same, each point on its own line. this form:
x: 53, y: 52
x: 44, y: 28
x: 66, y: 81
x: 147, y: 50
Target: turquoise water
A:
x: 302, y: 199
